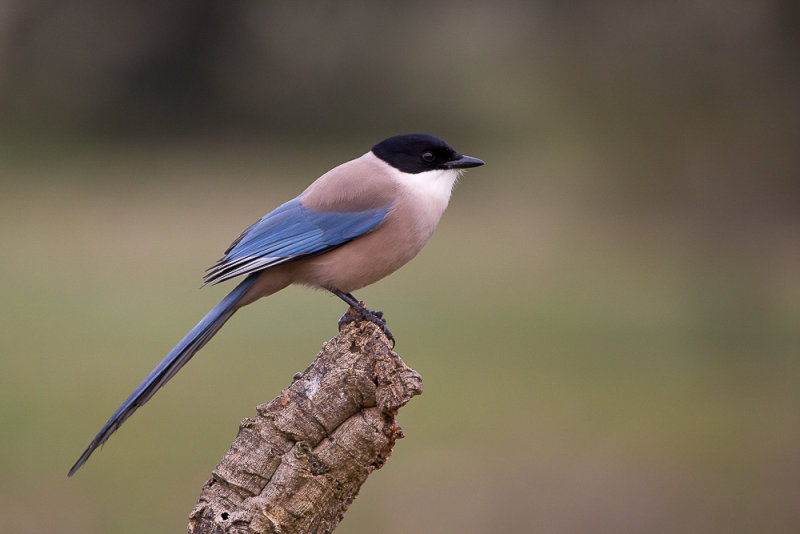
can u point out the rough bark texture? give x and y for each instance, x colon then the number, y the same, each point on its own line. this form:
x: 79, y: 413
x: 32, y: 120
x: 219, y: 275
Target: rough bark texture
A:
x: 298, y: 465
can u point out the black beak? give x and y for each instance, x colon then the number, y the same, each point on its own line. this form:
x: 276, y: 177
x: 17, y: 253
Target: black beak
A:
x: 463, y: 162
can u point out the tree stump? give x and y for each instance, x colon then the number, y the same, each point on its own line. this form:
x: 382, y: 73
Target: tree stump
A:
x: 297, y: 465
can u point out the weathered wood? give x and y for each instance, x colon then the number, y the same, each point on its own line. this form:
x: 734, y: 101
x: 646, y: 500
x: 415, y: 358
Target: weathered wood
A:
x: 297, y: 465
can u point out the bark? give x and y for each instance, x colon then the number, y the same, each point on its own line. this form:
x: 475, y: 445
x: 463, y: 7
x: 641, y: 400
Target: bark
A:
x: 298, y: 464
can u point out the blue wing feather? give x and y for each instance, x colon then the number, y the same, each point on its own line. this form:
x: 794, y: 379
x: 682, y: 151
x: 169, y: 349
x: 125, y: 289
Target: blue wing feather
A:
x: 288, y: 233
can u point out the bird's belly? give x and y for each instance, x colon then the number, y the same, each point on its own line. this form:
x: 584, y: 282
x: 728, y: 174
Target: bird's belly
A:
x: 375, y: 255
x: 360, y: 262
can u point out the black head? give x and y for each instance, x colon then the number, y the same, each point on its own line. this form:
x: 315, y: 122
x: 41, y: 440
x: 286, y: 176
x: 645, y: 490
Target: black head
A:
x: 416, y: 153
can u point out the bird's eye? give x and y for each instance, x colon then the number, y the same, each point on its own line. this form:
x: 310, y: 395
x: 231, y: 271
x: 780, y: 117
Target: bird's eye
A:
x: 428, y: 156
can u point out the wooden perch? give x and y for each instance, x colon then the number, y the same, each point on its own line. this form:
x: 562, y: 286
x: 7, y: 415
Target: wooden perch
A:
x: 297, y: 465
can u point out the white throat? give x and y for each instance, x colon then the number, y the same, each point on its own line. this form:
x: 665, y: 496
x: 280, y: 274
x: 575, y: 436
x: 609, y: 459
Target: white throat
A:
x: 432, y: 188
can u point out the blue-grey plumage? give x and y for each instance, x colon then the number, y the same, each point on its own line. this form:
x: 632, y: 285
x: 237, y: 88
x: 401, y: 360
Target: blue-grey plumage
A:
x: 171, y: 364
x: 354, y: 225
x: 289, y: 232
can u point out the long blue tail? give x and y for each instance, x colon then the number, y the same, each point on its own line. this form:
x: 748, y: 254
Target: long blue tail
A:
x: 171, y: 364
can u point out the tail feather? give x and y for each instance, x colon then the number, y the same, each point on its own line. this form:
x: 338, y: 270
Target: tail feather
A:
x: 170, y: 365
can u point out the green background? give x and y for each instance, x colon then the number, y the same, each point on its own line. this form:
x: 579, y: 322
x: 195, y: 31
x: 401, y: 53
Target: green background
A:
x: 607, y: 320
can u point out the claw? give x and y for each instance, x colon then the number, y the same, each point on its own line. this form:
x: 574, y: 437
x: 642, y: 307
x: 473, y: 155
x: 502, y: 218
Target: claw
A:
x: 370, y: 316
x: 358, y: 311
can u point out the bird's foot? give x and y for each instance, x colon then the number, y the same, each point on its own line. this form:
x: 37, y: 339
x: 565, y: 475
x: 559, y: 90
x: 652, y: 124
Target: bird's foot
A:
x: 359, y: 312
x: 363, y: 314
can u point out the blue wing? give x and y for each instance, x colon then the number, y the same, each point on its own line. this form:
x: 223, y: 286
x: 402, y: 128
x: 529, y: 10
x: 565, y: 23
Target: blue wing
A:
x: 291, y: 232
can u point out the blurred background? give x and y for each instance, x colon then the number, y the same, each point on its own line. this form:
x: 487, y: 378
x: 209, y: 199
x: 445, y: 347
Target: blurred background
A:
x: 607, y: 320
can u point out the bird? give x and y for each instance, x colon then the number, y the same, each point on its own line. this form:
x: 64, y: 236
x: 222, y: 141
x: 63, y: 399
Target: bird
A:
x: 353, y: 226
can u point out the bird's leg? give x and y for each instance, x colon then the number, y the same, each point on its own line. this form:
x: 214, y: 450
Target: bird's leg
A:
x: 362, y: 312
